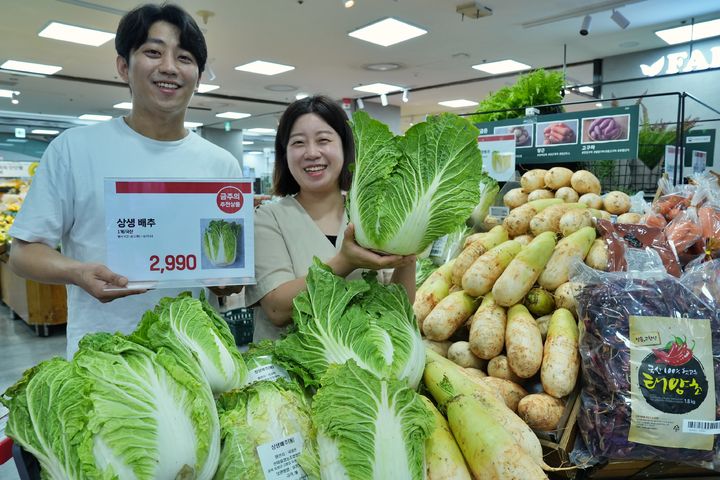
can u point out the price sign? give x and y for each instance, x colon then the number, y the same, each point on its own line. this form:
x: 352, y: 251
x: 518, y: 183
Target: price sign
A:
x: 180, y: 233
x: 498, y: 154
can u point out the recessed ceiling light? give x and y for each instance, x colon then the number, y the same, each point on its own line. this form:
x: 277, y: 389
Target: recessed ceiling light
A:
x: 92, y: 116
x: 259, y: 131
x: 71, y: 33
x: 378, y: 88
x: 40, y: 131
x: 30, y: 67
x: 585, y: 89
x: 502, y: 66
x: 123, y: 105
x: 387, y: 32
x: 458, y: 103
x: 686, y: 33
x: 233, y: 115
x: 206, y: 87
x: 192, y: 124
x: 382, y: 67
x: 248, y: 142
x: 8, y: 93
x: 264, y: 68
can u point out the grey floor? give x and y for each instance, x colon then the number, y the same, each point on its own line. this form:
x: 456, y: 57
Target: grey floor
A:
x: 20, y: 349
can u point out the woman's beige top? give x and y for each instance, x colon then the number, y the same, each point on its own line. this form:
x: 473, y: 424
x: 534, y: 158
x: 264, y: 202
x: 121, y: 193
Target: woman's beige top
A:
x: 286, y: 240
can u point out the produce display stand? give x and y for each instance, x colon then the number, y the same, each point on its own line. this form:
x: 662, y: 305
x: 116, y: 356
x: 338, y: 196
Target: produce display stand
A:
x: 37, y: 304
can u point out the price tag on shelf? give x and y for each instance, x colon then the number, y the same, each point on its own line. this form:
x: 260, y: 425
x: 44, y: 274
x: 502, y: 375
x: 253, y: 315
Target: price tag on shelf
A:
x: 180, y: 233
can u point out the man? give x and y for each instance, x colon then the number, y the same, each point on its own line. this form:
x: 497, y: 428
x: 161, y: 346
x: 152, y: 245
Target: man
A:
x: 161, y: 55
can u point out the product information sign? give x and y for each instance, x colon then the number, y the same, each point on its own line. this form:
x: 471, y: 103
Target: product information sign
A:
x: 670, y: 152
x: 498, y: 154
x: 180, y: 233
x: 17, y: 169
x: 602, y: 134
x: 702, y: 140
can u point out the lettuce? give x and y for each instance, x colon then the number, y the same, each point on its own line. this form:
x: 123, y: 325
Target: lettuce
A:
x: 408, y: 191
x: 336, y: 320
x: 194, y: 332
x: 368, y: 428
x: 220, y: 242
x: 263, y: 413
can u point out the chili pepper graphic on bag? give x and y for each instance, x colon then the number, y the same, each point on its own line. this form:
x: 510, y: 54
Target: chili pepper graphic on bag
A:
x: 675, y: 352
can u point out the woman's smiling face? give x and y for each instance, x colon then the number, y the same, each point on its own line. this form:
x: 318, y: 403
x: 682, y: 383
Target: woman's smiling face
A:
x: 314, y: 154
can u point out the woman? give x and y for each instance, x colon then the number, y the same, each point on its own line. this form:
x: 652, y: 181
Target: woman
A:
x: 313, y: 150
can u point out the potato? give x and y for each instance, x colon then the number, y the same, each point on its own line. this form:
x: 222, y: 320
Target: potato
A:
x: 616, y: 202
x: 515, y: 197
x: 540, y: 194
x: 460, y: 354
x: 511, y: 392
x: 558, y: 177
x: 583, y: 181
x: 573, y: 220
x: 518, y: 222
x: 549, y: 219
x: 565, y: 296
x: 491, y: 221
x: 440, y: 348
x: 592, y: 200
x: 541, y: 411
x: 598, y: 256
x: 498, y: 367
x: 635, y: 218
x: 567, y: 194
x: 542, y: 324
x: 524, y: 240
x: 533, y: 180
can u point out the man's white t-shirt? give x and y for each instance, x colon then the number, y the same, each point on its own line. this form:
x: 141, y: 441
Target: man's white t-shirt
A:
x: 65, y: 206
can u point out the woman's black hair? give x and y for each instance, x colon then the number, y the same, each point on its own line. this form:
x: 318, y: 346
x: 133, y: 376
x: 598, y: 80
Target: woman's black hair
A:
x: 330, y: 111
x: 135, y: 25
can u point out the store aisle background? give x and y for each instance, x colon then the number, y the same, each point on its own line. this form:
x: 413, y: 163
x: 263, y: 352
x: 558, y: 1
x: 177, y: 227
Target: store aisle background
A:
x: 21, y: 349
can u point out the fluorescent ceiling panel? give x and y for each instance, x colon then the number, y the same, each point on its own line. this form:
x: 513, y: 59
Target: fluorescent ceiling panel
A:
x: 460, y: 103
x: 30, y: 67
x: 8, y: 93
x: 123, y: 105
x: 259, y: 131
x: 92, y: 116
x: 71, y: 33
x: 40, y: 131
x: 233, y: 115
x: 206, y: 87
x: 388, y: 31
x: 686, y: 33
x: 502, y: 66
x: 247, y: 142
x: 585, y: 89
x: 192, y: 124
x: 264, y: 68
x: 378, y: 88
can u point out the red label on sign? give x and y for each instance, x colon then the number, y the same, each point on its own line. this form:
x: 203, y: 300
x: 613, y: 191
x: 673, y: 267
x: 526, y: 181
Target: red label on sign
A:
x: 230, y: 199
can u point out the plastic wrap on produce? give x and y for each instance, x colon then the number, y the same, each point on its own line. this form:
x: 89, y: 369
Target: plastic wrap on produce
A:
x: 650, y: 352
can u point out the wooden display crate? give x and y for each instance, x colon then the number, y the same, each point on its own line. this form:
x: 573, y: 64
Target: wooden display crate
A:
x: 40, y: 305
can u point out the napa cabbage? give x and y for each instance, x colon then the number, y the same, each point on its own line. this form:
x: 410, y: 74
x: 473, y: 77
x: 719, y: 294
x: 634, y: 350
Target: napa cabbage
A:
x: 198, y: 335
x: 117, y: 410
x: 407, y: 191
x: 265, y: 414
x: 220, y: 240
x: 369, y: 428
x: 336, y: 320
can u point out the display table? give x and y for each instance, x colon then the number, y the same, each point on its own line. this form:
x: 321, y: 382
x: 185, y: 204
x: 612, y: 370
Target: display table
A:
x: 39, y: 305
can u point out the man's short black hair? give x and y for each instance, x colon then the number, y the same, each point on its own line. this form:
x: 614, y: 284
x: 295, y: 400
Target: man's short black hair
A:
x: 135, y: 25
x: 332, y: 113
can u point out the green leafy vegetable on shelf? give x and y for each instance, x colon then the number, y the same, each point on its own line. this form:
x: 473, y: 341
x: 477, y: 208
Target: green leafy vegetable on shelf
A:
x: 369, y: 428
x: 264, y: 413
x: 407, y: 191
x: 337, y: 320
x: 220, y: 240
x: 423, y: 268
x: 489, y: 189
x: 532, y: 89
x: 201, y: 338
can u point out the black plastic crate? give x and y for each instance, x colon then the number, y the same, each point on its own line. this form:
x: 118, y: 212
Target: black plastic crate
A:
x: 241, y: 322
x: 27, y: 465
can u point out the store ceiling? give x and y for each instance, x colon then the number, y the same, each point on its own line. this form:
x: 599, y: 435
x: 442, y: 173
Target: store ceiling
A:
x: 312, y: 36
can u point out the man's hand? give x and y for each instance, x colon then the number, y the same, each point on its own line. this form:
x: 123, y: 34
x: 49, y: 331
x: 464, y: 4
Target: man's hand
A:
x: 94, y: 278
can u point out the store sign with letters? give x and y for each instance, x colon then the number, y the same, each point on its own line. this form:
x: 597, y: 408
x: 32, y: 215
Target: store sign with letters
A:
x: 683, y: 62
x: 180, y: 232
x: 602, y: 134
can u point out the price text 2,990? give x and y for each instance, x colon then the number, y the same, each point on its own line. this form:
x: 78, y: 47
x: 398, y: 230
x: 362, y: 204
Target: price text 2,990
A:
x: 172, y: 262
